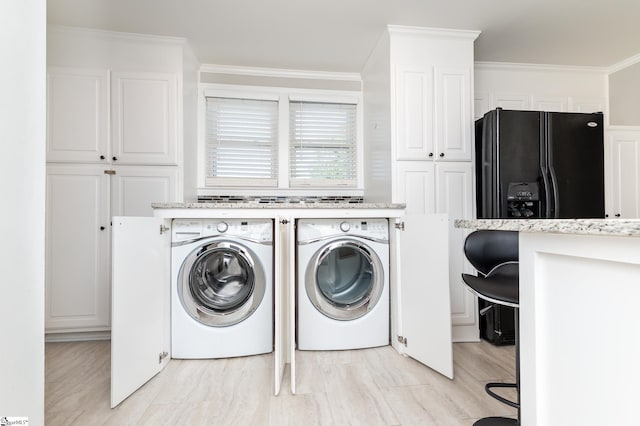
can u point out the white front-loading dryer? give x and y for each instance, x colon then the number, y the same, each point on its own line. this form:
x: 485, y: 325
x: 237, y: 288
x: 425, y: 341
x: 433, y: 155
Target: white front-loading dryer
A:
x: 342, y: 283
x: 222, y: 287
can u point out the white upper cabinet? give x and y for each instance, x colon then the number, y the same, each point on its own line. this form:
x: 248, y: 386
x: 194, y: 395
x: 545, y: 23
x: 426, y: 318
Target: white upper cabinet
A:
x: 414, y: 113
x: 453, y: 114
x: 431, y: 90
x: 77, y: 115
x: 144, y: 118
x: 131, y: 118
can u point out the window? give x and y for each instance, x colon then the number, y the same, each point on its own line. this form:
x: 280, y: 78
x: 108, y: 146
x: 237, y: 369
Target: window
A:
x: 242, y: 142
x: 280, y: 138
x: 322, y: 144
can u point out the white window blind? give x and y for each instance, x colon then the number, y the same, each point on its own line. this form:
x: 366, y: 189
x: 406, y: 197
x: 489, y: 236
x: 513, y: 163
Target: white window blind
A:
x: 242, y: 142
x: 322, y: 144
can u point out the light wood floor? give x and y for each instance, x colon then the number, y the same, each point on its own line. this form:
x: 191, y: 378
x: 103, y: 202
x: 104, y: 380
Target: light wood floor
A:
x: 363, y: 387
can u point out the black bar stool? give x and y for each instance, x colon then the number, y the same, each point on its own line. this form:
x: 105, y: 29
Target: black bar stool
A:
x: 494, y: 254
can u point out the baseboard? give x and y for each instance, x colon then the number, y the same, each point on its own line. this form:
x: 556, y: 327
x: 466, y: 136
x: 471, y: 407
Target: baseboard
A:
x: 77, y: 336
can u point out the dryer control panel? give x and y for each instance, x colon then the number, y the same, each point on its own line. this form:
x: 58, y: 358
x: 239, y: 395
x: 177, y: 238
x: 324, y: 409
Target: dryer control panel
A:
x: 260, y: 230
x: 312, y: 229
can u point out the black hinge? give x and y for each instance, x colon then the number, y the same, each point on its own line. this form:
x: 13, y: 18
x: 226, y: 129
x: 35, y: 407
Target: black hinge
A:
x: 402, y: 340
x: 400, y: 226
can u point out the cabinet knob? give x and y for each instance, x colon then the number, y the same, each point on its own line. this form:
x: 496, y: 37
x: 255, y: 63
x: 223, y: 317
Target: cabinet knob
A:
x: 617, y: 214
x: 102, y: 157
x: 102, y: 228
x: 606, y: 215
x: 441, y: 154
x: 114, y: 158
x: 430, y: 154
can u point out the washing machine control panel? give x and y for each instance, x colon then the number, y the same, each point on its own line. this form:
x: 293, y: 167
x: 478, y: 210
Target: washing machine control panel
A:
x: 311, y: 229
x: 253, y: 229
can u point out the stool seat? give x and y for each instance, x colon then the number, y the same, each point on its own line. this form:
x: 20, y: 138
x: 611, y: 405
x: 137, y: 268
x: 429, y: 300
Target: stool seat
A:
x: 499, y: 286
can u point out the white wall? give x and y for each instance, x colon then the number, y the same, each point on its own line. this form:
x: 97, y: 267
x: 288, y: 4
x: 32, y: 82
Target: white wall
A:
x: 22, y: 180
x: 539, y: 87
x: 376, y: 89
x: 88, y: 48
x: 624, y: 95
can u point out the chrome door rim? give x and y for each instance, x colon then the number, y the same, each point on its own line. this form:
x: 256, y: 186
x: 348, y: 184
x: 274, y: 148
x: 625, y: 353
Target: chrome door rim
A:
x: 350, y: 311
x: 208, y: 316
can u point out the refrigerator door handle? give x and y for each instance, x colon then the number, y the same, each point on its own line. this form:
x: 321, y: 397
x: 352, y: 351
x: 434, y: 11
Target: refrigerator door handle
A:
x: 547, y: 193
x: 554, y: 189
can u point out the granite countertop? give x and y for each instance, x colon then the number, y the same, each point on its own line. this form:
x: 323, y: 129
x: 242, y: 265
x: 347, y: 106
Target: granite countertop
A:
x: 613, y: 227
x: 255, y: 205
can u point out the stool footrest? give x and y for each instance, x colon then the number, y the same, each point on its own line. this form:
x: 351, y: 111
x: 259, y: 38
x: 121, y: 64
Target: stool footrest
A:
x: 502, y: 399
x: 496, y: 421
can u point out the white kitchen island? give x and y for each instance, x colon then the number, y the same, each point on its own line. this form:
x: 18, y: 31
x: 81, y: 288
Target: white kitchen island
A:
x: 579, y: 319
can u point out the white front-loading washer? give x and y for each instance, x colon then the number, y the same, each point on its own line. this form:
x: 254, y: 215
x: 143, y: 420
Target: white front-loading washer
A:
x: 222, y: 287
x: 342, y: 283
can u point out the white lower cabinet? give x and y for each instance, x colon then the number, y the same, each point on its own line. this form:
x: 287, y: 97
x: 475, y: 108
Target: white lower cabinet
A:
x: 428, y: 187
x: 624, y: 173
x: 77, y: 249
x: 81, y: 198
x: 135, y: 188
x: 141, y: 250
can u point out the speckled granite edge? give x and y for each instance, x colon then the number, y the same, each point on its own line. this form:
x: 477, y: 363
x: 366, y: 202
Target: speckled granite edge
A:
x: 620, y: 227
x: 284, y: 206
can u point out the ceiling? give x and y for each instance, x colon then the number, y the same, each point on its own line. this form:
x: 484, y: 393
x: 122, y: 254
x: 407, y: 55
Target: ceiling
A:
x: 338, y: 35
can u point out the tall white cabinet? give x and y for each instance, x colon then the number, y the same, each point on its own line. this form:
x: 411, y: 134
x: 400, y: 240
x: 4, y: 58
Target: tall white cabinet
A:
x: 622, y: 149
x: 418, y: 95
x: 114, y: 146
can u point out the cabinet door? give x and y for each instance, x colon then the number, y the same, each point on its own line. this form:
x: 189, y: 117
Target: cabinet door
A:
x: 140, y: 339
x: 134, y: 188
x: 77, y: 249
x: 424, y: 291
x: 77, y: 115
x: 282, y: 282
x: 144, y: 118
x: 414, y: 186
x: 625, y: 173
x: 453, y: 112
x: 454, y: 196
x: 413, y: 113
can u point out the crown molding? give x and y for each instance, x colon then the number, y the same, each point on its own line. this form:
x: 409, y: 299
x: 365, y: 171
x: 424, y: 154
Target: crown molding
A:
x: 512, y: 66
x: 279, y: 73
x: 624, y: 64
x: 434, y: 32
x: 106, y: 34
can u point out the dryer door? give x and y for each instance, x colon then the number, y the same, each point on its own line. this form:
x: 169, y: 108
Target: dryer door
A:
x: 221, y: 284
x: 344, y: 279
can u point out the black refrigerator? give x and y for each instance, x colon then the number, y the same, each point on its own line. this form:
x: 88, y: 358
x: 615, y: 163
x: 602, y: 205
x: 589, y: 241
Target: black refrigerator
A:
x: 536, y: 164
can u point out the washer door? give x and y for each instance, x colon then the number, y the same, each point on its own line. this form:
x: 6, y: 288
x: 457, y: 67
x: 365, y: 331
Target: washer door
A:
x: 221, y: 284
x: 344, y: 279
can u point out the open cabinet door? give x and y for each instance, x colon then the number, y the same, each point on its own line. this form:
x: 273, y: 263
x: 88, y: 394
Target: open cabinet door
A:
x: 281, y: 310
x: 291, y: 301
x: 140, y: 311
x: 425, y: 307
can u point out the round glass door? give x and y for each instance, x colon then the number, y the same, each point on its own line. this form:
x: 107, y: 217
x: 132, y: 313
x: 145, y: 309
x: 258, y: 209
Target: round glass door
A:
x: 345, y: 280
x: 221, y: 284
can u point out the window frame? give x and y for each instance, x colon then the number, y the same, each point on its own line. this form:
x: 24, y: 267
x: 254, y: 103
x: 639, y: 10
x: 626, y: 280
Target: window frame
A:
x: 283, y: 95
